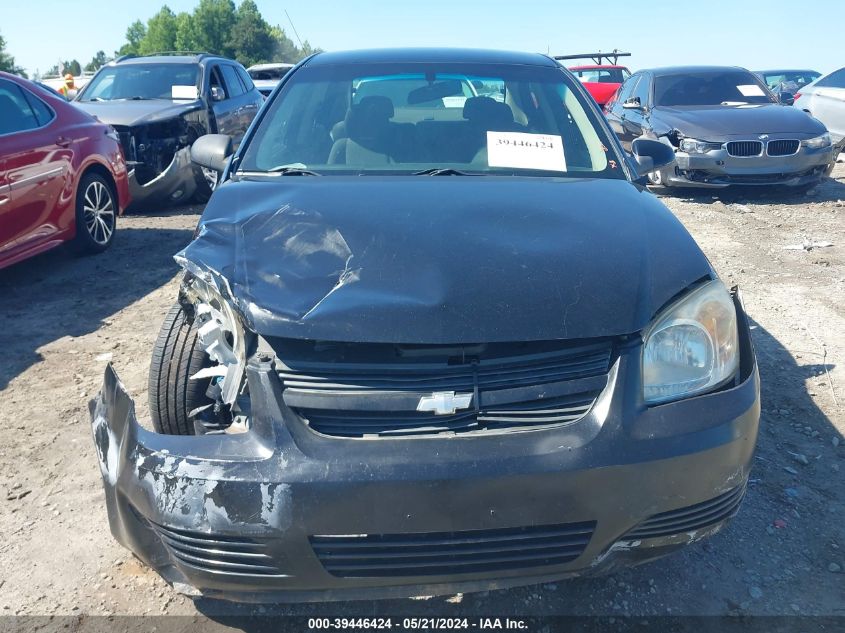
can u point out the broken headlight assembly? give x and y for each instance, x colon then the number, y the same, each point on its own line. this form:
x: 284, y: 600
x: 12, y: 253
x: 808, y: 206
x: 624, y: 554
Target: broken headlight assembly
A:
x: 817, y: 142
x: 222, y: 336
x: 694, y: 146
x: 692, y: 346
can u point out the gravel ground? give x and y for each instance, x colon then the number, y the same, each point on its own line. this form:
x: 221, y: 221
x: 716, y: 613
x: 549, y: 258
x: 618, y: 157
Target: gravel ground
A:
x: 62, y: 318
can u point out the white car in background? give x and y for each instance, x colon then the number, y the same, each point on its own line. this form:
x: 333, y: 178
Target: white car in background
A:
x: 825, y: 100
x: 267, y: 76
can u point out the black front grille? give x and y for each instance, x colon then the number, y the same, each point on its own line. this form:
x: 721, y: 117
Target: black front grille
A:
x: 690, y: 518
x: 745, y: 148
x: 218, y: 554
x: 783, y: 147
x: 126, y: 141
x: 353, y: 423
x: 355, y: 391
x: 451, y: 553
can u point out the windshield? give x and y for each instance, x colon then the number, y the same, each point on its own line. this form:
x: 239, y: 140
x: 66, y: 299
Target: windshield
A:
x: 143, y: 81
x: 408, y: 118
x: 602, y: 75
x: 268, y: 74
x: 709, y: 89
x: 790, y: 81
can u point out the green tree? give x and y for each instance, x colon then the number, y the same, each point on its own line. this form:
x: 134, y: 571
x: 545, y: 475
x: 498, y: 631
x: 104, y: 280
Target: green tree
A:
x: 284, y: 50
x: 98, y: 60
x: 134, y: 35
x: 161, y: 33
x: 184, y: 34
x: 73, y: 67
x: 7, y: 62
x: 210, y: 26
x: 250, y: 39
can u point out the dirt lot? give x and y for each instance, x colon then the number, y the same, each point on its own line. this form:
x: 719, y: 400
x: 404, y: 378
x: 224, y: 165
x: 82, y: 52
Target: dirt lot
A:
x: 62, y: 318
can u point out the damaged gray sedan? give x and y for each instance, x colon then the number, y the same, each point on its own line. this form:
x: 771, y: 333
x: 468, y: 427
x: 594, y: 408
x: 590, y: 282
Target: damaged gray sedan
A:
x: 427, y: 342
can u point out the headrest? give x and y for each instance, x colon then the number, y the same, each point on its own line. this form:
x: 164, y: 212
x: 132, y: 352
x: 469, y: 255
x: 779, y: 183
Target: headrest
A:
x: 487, y: 111
x: 368, y: 118
x: 376, y: 107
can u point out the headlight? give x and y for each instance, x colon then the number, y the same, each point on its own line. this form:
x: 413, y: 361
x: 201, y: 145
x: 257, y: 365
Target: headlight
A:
x: 694, y: 146
x: 817, y: 142
x: 692, y: 346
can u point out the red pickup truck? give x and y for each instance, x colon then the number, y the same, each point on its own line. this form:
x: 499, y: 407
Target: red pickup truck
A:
x: 600, y: 79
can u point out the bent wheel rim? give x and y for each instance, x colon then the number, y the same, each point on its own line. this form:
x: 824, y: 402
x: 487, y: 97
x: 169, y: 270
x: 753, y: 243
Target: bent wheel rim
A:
x: 210, y: 177
x: 98, y: 209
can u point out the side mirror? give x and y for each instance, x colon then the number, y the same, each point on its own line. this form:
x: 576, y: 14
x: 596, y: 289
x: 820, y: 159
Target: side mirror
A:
x: 651, y: 155
x: 786, y: 98
x: 632, y: 103
x: 217, y: 93
x: 212, y: 151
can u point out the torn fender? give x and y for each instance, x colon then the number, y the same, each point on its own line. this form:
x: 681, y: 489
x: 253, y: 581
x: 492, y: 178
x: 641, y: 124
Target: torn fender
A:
x: 402, y: 260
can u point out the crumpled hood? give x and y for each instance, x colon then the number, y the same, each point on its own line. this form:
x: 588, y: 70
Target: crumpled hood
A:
x: 443, y: 259
x: 136, y: 112
x: 715, y: 123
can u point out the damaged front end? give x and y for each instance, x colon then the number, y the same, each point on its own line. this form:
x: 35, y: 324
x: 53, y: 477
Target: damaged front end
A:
x: 158, y: 157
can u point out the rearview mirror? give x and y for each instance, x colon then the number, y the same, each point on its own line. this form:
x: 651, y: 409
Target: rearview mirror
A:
x: 433, y: 92
x: 786, y: 98
x: 651, y: 155
x: 212, y: 151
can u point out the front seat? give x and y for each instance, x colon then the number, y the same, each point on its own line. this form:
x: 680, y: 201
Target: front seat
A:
x: 368, y: 134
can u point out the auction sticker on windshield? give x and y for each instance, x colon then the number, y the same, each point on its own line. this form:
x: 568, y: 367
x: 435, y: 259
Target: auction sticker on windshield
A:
x: 751, y: 90
x: 184, y: 92
x: 525, y: 151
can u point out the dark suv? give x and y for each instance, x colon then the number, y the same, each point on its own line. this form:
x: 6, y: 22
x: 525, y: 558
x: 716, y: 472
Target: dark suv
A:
x: 162, y: 103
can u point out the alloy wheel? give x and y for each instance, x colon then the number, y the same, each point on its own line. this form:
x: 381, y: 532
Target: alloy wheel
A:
x: 98, y: 207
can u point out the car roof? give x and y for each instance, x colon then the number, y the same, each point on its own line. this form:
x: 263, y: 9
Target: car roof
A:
x: 271, y: 66
x: 430, y: 55
x: 681, y: 70
x: 169, y: 59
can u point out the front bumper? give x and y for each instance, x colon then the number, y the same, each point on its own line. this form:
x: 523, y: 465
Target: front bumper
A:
x: 718, y: 169
x: 278, y: 513
x: 177, y: 183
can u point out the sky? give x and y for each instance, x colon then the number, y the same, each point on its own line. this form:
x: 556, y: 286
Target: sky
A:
x: 756, y: 34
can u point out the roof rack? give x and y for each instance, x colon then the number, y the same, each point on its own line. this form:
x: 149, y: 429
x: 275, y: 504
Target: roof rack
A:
x: 612, y: 57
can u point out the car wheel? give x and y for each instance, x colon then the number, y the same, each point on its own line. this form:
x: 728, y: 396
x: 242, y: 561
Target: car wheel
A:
x: 176, y: 357
x: 206, y: 184
x: 96, y: 214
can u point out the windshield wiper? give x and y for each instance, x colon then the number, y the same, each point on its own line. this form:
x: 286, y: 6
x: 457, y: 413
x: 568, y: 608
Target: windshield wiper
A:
x: 139, y: 99
x: 292, y: 170
x: 443, y: 171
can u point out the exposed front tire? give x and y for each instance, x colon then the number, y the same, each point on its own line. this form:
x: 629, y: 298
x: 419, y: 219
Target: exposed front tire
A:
x: 96, y: 214
x: 176, y: 357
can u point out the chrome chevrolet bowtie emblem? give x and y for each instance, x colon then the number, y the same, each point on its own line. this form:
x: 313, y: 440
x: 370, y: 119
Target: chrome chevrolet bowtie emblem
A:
x: 444, y: 402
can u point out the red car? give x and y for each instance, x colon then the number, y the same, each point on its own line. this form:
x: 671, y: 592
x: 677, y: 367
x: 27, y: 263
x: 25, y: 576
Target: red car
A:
x: 603, y: 77
x: 601, y: 81
x: 62, y: 174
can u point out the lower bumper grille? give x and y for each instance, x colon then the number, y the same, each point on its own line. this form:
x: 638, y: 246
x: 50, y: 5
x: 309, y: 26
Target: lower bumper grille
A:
x: 745, y: 148
x: 690, y: 518
x: 451, y: 553
x: 217, y: 554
